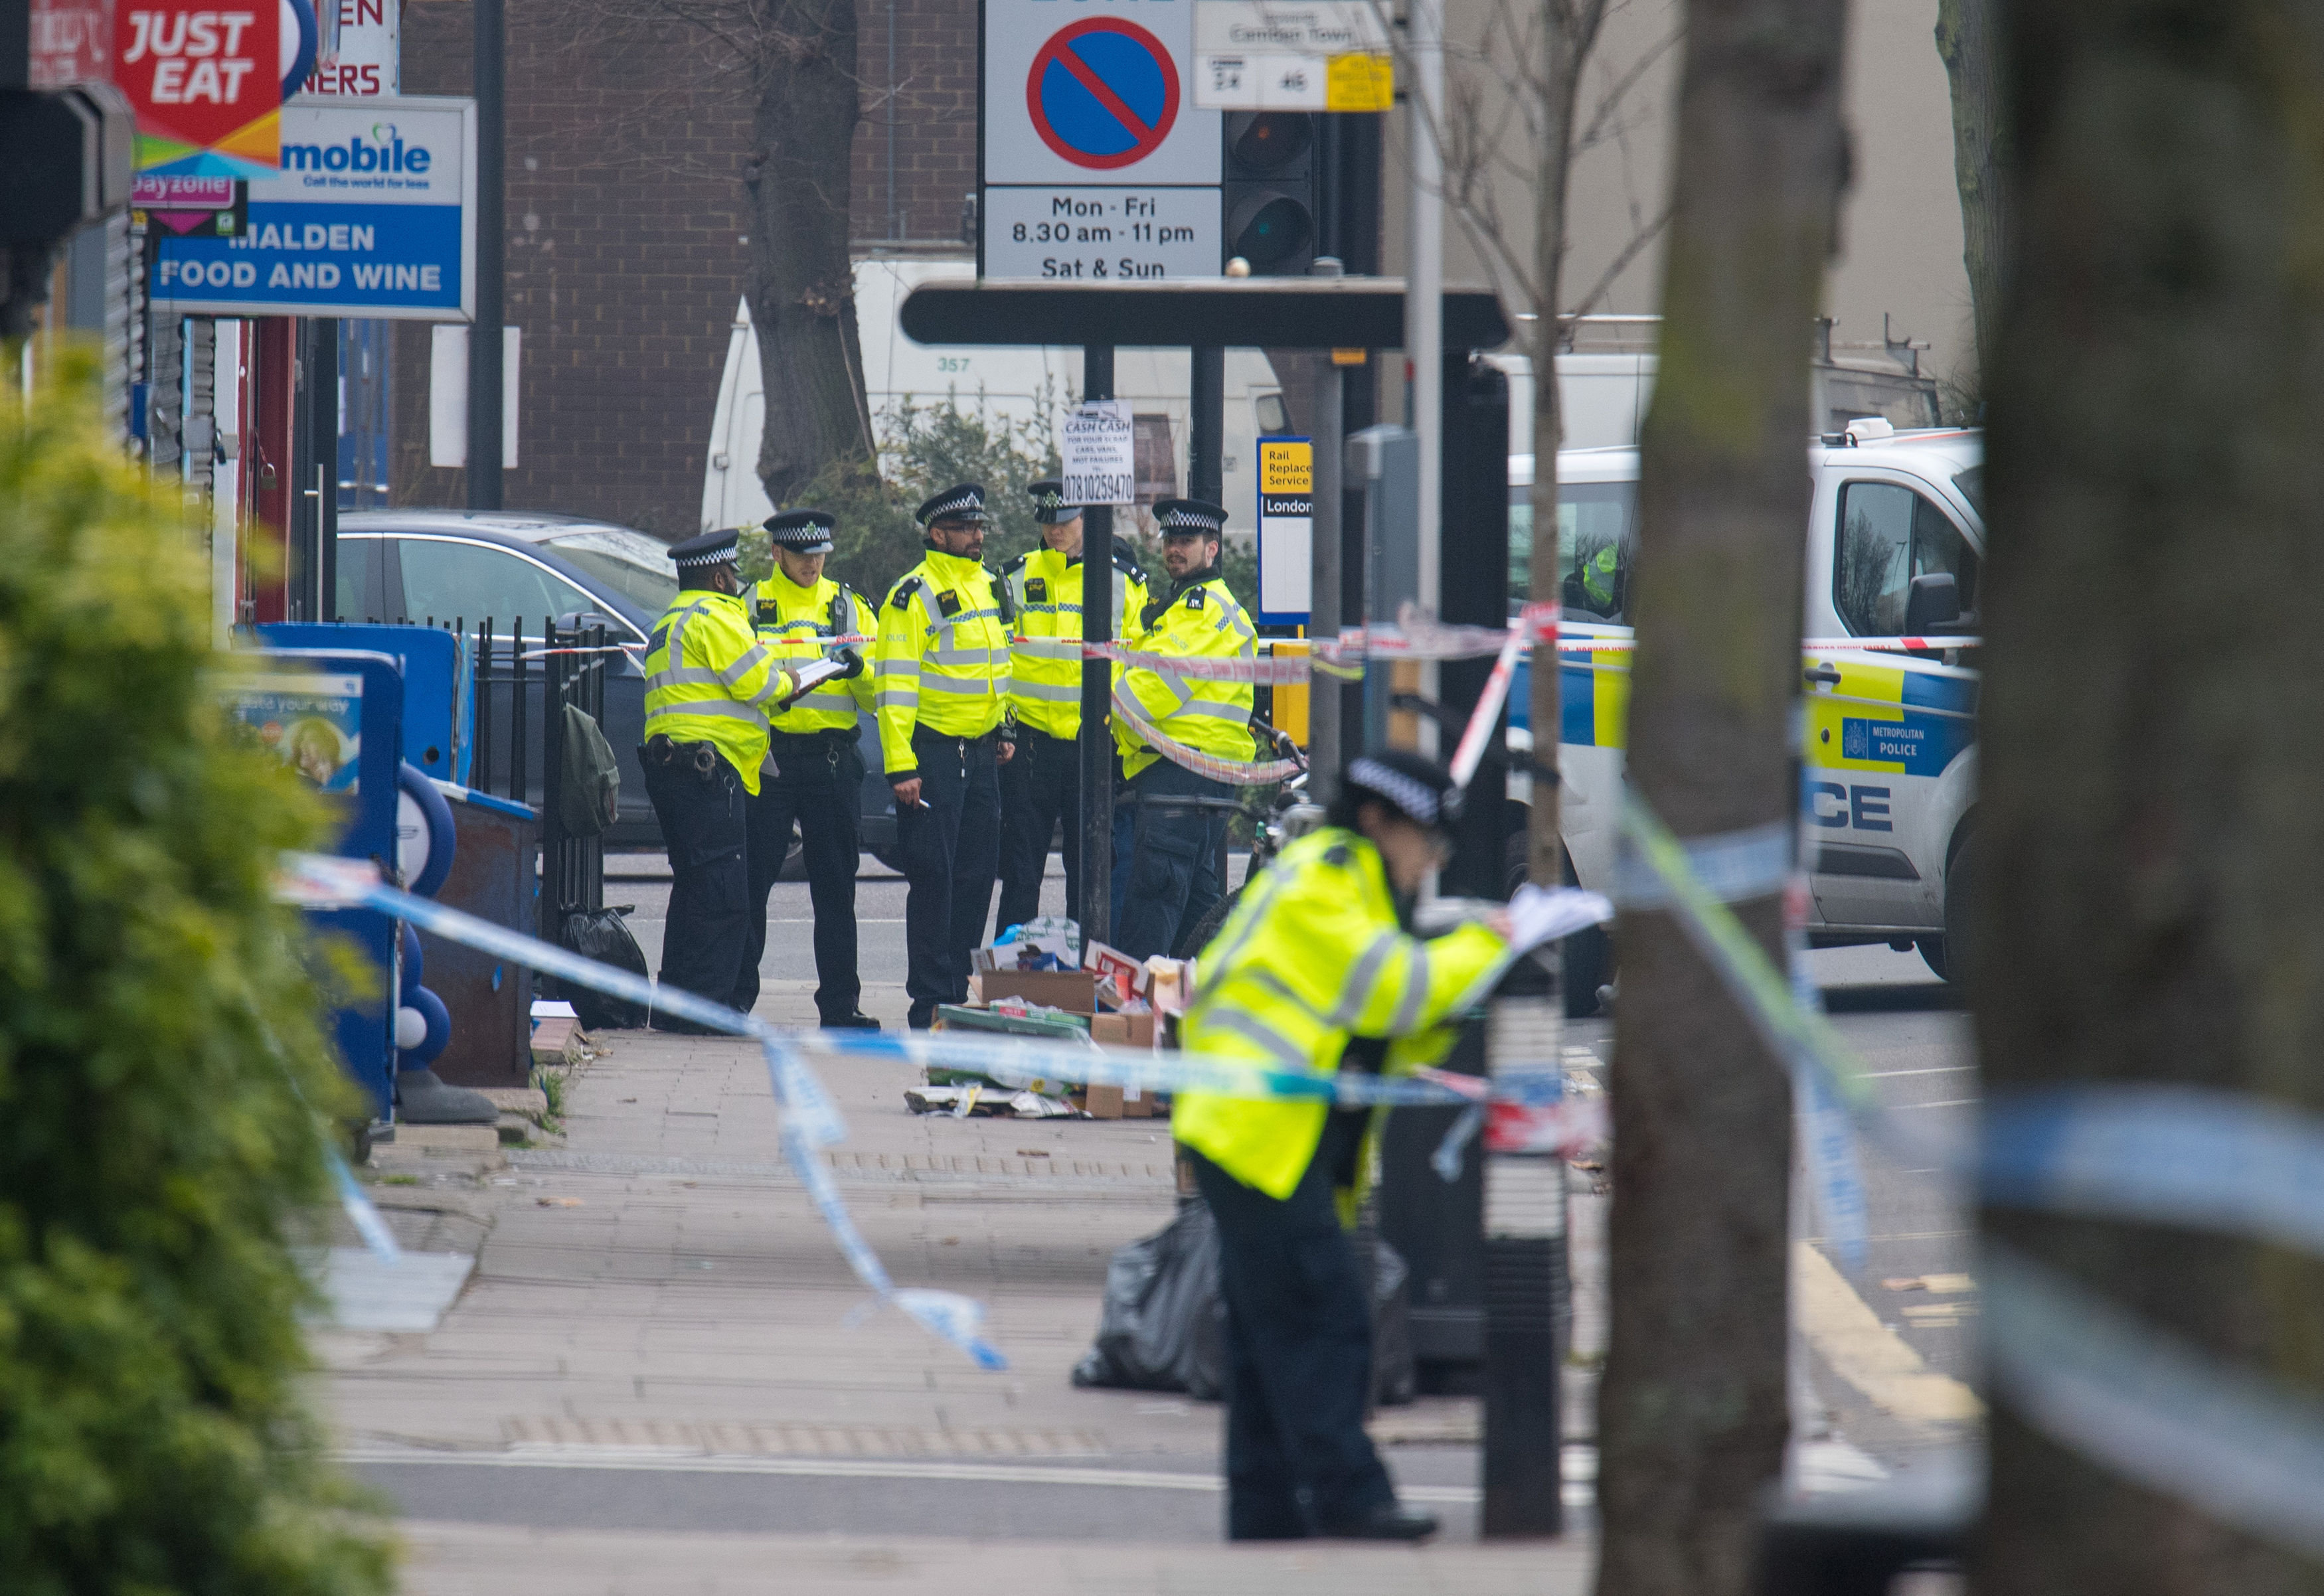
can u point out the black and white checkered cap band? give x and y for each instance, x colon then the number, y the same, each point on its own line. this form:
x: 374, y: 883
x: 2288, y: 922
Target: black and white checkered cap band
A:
x: 954, y: 504
x: 1416, y: 798
x: 1193, y: 521
x: 717, y: 555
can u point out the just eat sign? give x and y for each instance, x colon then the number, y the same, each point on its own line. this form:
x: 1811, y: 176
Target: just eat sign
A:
x: 206, y: 82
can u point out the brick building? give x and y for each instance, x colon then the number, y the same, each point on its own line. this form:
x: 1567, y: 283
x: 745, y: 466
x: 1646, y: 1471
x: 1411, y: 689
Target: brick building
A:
x: 626, y: 216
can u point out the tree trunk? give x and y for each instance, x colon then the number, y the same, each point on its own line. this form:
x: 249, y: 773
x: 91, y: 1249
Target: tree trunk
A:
x: 1970, y: 45
x: 802, y: 285
x: 1692, y: 1416
x: 2150, y: 844
x: 1568, y: 46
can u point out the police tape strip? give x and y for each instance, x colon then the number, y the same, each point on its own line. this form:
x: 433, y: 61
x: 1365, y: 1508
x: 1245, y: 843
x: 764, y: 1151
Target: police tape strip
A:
x: 1537, y: 624
x: 810, y: 1118
x: 2245, y: 1451
x: 812, y: 1121
x: 1344, y: 658
x: 1233, y: 772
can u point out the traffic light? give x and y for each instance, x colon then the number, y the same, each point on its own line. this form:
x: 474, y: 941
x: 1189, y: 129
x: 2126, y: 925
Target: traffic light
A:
x: 1270, y: 190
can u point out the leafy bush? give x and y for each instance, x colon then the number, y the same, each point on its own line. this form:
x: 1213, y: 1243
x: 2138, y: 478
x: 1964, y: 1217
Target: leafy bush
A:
x: 161, y: 1066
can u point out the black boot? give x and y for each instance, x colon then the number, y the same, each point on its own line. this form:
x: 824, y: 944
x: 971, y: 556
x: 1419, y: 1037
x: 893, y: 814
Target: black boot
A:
x: 859, y: 1020
x: 1389, y: 1521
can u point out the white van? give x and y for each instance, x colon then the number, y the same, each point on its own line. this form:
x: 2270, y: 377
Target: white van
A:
x: 1024, y: 385
x: 1896, y: 544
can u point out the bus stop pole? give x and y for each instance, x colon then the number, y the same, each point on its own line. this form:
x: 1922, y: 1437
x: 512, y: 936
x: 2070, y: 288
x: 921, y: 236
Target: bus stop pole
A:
x: 1095, y: 910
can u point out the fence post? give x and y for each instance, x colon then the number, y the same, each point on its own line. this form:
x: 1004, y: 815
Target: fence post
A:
x: 557, y: 865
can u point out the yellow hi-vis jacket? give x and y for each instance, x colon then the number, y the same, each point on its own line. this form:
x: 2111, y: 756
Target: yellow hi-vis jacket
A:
x: 1311, y: 957
x: 942, y: 660
x: 710, y: 679
x: 1044, y: 656
x: 797, y: 623
x: 1202, y: 621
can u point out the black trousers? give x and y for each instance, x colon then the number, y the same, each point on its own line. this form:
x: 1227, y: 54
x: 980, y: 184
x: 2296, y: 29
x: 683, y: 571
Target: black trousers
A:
x: 952, y: 849
x: 1299, y: 1358
x: 705, y: 828
x: 1039, y: 787
x: 819, y: 783
x: 1172, y: 879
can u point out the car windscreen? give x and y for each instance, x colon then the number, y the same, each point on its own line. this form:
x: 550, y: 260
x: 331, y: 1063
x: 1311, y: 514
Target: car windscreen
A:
x: 631, y: 563
x: 1596, y: 538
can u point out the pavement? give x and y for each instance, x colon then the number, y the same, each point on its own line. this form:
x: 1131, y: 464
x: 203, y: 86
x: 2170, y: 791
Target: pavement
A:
x: 661, y: 1376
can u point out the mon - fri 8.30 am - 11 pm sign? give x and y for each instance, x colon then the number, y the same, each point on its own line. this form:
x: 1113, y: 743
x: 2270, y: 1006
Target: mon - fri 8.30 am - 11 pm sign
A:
x: 1097, y: 166
x: 370, y: 216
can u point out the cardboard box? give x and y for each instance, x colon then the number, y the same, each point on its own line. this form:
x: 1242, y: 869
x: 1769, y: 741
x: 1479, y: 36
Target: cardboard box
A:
x: 1074, y: 990
x: 1103, y: 1102
x: 1122, y: 1031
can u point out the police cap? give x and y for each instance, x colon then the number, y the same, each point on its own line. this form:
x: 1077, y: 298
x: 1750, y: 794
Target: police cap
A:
x: 964, y: 501
x: 802, y: 531
x: 1050, y: 505
x: 710, y: 549
x: 1418, y: 788
x: 1190, y: 518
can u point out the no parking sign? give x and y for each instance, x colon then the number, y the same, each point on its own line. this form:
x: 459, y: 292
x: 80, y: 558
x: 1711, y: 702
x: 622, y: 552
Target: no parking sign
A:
x: 1096, y: 163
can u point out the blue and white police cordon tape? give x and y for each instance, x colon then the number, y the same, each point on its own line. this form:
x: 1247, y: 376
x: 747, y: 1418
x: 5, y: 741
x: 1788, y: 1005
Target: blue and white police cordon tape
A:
x: 811, y: 1121
x: 2246, y: 1450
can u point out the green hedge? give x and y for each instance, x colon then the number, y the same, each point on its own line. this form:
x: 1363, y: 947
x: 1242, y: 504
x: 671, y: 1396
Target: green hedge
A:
x: 157, y: 1033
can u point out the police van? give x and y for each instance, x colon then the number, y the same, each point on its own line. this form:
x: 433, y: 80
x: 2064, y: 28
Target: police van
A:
x: 1896, y: 544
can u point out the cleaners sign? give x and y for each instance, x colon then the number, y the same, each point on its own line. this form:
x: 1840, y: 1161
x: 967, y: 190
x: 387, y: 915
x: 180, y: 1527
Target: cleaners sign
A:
x: 373, y: 214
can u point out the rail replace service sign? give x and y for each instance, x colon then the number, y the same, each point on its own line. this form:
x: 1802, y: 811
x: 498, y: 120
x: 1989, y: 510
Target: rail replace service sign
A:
x: 1096, y: 165
x: 370, y: 216
x: 1287, y: 531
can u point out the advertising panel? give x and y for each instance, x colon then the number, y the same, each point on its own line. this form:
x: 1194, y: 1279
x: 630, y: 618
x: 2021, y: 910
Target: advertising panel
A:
x: 372, y: 215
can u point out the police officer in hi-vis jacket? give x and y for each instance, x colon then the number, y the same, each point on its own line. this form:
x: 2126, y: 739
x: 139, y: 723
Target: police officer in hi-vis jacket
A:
x: 940, y: 671
x: 1043, y: 784
x: 816, y: 762
x: 710, y: 685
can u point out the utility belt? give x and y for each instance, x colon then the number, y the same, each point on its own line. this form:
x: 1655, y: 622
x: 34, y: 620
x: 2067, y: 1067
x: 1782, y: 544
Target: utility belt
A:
x: 982, y: 739
x: 699, y: 759
x: 830, y: 737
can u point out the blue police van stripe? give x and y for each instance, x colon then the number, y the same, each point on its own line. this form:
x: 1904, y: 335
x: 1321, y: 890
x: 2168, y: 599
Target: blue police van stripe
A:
x: 1954, y: 693
x: 1577, y: 698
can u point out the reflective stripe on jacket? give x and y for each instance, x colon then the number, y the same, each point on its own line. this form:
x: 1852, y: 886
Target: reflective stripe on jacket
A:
x: 710, y: 679
x: 795, y: 622
x: 1045, y: 652
x: 1313, y: 955
x: 1202, y: 621
x: 942, y: 660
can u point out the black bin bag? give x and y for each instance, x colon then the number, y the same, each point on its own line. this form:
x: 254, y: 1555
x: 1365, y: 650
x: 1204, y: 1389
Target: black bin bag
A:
x: 1163, y: 1327
x: 599, y: 934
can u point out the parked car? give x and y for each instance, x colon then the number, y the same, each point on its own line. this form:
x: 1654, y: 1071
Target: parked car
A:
x: 519, y: 569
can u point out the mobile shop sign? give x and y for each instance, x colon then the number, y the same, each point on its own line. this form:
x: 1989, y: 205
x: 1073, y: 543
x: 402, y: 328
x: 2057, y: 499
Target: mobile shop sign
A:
x: 206, y: 81
x: 372, y: 215
x: 1287, y: 529
x: 1099, y: 444
x: 1086, y: 122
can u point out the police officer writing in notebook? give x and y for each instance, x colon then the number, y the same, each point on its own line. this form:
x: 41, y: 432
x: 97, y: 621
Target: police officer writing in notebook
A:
x: 940, y: 670
x: 1171, y: 879
x: 710, y: 685
x: 814, y: 771
x: 1044, y: 783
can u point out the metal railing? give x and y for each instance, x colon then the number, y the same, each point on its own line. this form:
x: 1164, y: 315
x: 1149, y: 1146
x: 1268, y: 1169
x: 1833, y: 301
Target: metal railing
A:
x: 516, y: 682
